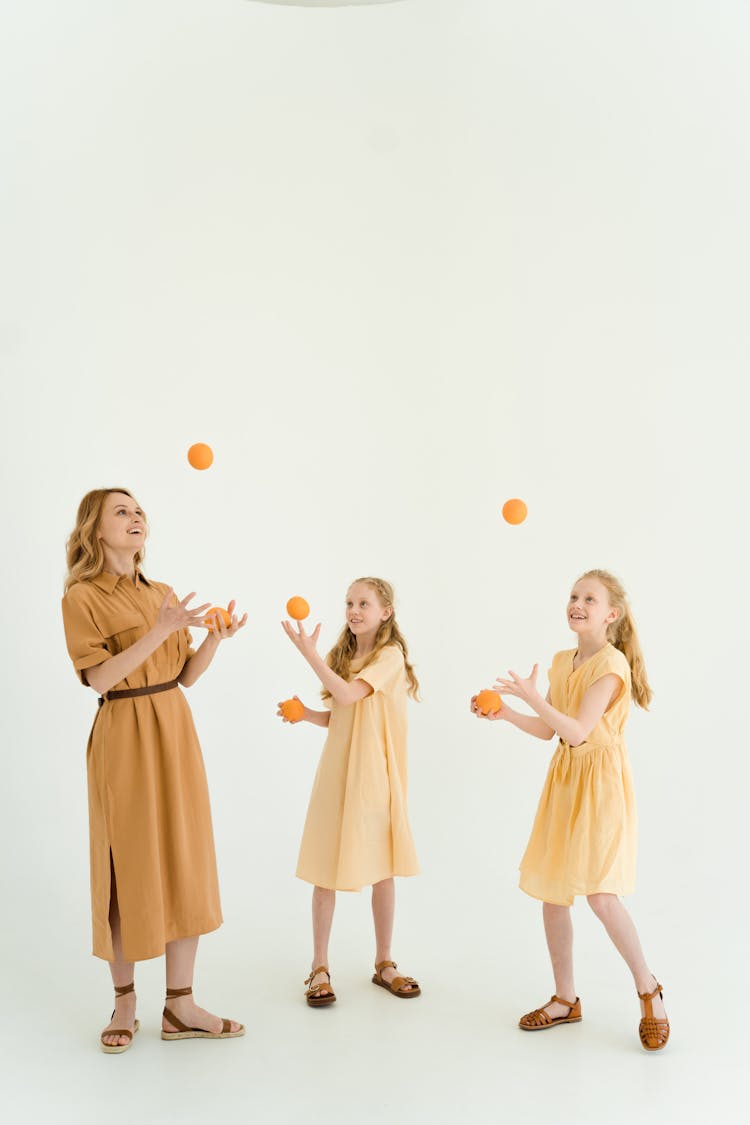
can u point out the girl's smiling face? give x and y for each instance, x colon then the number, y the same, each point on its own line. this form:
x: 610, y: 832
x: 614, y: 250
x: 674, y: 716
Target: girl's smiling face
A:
x: 365, y: 611
x: 122, y: 524
x: 589, y: 611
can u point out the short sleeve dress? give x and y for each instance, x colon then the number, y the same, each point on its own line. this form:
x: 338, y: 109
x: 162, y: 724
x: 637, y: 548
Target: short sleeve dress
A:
x: 148, y: 797
x: 584, y: 836
x: 357, y: 828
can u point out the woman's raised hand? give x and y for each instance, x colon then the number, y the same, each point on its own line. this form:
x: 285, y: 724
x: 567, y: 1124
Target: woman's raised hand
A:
x: 305, y: 642
x: 221, y: 631
x: 174, y: 614
x: 525, y: 689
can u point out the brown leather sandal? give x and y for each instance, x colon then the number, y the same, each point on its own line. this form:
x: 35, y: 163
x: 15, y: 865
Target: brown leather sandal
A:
x: 185, y: 1032
x: 539, y: 1020
x: 397, y: 986
x: 315, y: 998
x: 113, y: 1048
x: 654, y: 1033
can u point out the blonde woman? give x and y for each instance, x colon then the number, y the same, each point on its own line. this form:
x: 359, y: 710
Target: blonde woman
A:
x: 357, y: 830
x: 154, y: 886
x: 583, y: 841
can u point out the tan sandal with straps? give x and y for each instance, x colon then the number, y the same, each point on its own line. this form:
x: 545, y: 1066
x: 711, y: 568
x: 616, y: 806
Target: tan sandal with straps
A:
x: 114, y: 1048
x: 315, y: 998
x: 185, y: 1032
x: 539, y: 1020
x: 654, y: 1033
x: 399, y: 986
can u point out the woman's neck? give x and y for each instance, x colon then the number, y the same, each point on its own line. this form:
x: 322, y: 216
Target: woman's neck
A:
x: 119, y: 563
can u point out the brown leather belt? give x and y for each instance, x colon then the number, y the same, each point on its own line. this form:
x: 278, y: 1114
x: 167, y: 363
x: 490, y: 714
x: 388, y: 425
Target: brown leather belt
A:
x: 131, y: 693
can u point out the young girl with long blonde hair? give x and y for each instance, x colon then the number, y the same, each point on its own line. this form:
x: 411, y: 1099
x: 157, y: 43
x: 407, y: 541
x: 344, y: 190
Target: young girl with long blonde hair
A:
x: 357, y: 829
x: 583, y: 841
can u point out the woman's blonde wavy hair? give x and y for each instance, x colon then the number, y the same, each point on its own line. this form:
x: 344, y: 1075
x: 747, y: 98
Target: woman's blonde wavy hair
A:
x: 85, y: 556
x: 341, y: 655
x: 622, y: 634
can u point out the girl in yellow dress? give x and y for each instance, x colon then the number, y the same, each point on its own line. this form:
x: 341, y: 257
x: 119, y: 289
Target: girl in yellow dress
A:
x: 583, y: 841
x: 357, y: 829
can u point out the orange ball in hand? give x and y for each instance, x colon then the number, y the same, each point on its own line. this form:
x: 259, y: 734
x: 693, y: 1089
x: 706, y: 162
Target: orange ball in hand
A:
x: 200, y: 456
x: 292, y: 710
x: 217, y: 611
x: 489, y: 702
x: 297, y: 608
x: 514, y: 511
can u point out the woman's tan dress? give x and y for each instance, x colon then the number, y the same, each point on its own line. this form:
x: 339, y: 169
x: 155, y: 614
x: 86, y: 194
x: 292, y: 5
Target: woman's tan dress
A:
x: 357, y: 829
x: 148, y: 797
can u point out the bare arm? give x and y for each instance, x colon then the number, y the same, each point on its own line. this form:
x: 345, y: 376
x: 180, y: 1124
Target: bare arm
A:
x: 342, y: 691
x: 531, y: 724
x: 171, y: 617
x: 200, y: 660
x: 317, y: 718
x: 574, y: 729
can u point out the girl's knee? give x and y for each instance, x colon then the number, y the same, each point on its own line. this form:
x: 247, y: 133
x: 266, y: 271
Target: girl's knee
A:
x: 602, y: 904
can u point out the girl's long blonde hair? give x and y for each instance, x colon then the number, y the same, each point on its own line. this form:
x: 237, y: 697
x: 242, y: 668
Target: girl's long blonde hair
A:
x: 622, y: 634
x: 85, y: 556
x: 341, y: 655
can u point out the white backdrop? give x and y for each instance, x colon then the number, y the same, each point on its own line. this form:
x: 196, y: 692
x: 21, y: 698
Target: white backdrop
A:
x: 395, y: 264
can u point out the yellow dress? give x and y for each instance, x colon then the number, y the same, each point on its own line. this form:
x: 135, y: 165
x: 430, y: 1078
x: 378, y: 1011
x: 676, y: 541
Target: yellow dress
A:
x: 583, y: 840
x: 357, y: 829
x: 148, y: 796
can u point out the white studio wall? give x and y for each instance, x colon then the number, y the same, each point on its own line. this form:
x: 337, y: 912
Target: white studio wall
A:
x: 395, y: 263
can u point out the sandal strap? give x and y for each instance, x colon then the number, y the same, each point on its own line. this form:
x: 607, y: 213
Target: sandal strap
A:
x: 175, y: 1022
x: 385, y: 965
x: 117, y: 1031
x: 397, y: 984
x: 565, y: 1003
x: 650, y: 995
x: 314, y: 973
x: 173, y: 993
x: 123, y: 990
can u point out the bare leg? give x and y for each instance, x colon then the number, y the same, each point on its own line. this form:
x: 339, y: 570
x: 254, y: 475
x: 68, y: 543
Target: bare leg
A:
x: 123, y: 972
x: 383, y: 910
x: 323, y: 905
x: 619, y: 925
x: 558, y: 930
x: 180, y: 965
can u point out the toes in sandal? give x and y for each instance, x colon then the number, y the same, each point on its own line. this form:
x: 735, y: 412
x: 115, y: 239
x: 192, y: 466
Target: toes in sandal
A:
x: 654, y: 1033
x: 539, y: 1020
x: 399, y: 986
x: 185, y: 1032
x: 113, y: 1048
x: 315, y: 998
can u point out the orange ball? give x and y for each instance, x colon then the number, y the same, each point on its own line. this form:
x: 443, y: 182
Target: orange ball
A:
x: 292, y: 710
x: 297, y: 608
x: 200, y: 456
x: 218, y: 612
x: 514, y: 511
x: 489, y: 702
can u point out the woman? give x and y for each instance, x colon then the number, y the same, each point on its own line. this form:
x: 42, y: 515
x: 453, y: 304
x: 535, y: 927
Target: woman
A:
x: 154, y: 886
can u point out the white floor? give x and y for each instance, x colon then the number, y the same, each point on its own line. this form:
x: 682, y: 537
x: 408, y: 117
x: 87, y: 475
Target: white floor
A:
x: 454, y: 1054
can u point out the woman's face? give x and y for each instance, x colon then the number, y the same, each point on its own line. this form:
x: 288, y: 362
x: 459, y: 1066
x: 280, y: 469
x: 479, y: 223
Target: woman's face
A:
x: 122, y: 524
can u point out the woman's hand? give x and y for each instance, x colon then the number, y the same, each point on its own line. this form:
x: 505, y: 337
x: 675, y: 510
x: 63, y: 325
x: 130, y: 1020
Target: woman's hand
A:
x: 305, y: 642
x: 493, y: 717
x: 283, y: 717
x: 174, y: 615
x: 524, y: 689
x: 219, y: 630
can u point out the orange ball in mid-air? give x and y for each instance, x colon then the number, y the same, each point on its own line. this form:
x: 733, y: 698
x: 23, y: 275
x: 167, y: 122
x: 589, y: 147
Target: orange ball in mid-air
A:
x: 217, y: 611
x: 200, y: 456
x: 297, y: 608
x: 292, y: 710
x: 489, y: 702
x: 514, y: 511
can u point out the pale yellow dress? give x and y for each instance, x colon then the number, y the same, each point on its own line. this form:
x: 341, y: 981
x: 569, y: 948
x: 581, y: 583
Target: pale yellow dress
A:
x: 357, y: 829
x: 584, y: 836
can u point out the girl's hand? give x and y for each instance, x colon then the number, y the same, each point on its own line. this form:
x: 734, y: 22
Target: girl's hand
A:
x: 221, y: 631
x: 305, y: 642
x: 283, y: 717
x: 178, y: 616
x: 480, y: 715
x: 524, y: 689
